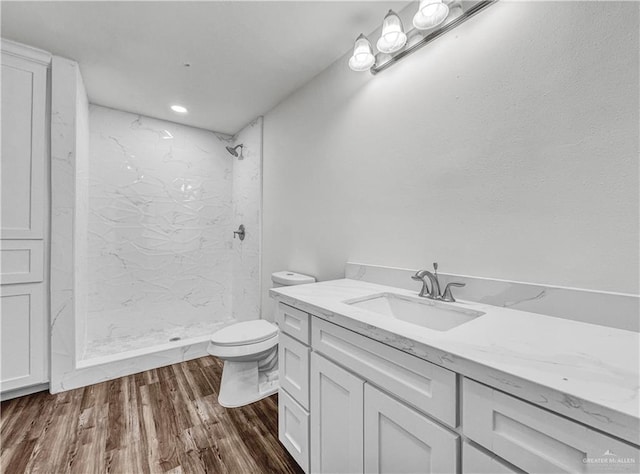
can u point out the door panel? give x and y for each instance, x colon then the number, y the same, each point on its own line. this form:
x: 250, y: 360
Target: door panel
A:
x: 399, y: 439
x: 23, y: 332
x: 336, y: 418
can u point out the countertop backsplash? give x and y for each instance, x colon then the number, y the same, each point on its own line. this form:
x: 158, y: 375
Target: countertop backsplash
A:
x: 616, y: 310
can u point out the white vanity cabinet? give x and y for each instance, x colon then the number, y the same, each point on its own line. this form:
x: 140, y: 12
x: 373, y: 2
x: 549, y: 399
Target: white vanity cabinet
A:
x: 337, y: 413
x: 351, y: 404
x: 355, y: 427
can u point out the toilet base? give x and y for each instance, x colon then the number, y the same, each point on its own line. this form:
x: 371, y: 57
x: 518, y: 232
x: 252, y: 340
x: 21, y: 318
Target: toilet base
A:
x: 244, y: 383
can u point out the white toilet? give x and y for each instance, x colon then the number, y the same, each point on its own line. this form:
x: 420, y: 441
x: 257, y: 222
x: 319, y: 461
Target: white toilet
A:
x: 250, y: 353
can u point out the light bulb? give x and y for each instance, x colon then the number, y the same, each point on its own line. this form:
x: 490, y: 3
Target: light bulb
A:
x: 431, y: 13
x: 178, y: 108
x: 362, y: 58
x: 393, y: 37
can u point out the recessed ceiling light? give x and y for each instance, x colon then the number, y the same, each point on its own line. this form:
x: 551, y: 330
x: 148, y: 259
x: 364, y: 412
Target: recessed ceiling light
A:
x: 178, y: 108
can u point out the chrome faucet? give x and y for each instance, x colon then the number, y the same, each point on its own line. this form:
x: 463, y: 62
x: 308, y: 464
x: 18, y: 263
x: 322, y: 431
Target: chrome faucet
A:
x: 431, y: 285
x: 426, y: 277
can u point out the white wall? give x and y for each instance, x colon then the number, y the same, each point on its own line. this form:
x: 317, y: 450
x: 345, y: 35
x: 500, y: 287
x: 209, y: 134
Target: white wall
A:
x: 69, y: 140
x: 81, y: 214
x: 507, y: 149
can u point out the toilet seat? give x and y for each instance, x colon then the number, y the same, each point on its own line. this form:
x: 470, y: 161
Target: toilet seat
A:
x: 243, y: 339
x: 246, y: 332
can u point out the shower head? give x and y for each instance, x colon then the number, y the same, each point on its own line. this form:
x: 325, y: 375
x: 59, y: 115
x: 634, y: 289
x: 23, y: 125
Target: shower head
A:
x: 234, y: 150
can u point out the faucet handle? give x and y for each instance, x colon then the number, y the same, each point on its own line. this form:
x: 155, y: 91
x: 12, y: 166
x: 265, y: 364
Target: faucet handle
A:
x: 447, y: 296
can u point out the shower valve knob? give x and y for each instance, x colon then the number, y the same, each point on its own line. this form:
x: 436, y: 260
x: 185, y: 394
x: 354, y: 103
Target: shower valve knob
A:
x: 240, y: 232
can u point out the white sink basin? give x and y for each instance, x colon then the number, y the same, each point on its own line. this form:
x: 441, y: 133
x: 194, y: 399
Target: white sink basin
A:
x: 420, y: 311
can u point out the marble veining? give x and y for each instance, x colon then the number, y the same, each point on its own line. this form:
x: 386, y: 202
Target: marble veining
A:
x: 586, y: 372
x: 604, y: 308
x: 159, y: 227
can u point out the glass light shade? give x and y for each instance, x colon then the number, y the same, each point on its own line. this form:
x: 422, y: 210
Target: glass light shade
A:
x: 431, y: 13
x: 393, y: 37
x: 362, y: 58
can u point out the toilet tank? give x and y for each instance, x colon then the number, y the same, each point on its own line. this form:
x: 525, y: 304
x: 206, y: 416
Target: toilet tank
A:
x: 288, y: 278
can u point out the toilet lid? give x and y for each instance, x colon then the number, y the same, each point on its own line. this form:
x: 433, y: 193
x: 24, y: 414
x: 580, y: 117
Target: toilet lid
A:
x: 246, y: 332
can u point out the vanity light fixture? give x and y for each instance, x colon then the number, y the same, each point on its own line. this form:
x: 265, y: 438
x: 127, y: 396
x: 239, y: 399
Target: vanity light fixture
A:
x: 180, y: 109
x: 393, y: 37
x: 433, y: 19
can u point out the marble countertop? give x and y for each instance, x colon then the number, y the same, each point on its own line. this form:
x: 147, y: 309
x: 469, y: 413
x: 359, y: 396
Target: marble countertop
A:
x: 587, y: 372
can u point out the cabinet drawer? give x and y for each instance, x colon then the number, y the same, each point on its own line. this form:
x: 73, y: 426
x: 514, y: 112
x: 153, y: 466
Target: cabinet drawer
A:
x: 293, y: 429
x: 424, y: 385
x: 536, y: 440
x: 293, y: 359
x: 475, y: 461
x: 293, y: 322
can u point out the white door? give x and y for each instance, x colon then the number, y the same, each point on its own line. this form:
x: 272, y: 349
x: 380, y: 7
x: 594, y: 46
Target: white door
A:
x: 398, y: 439
x: 336, y: 418
x: 24, y: 222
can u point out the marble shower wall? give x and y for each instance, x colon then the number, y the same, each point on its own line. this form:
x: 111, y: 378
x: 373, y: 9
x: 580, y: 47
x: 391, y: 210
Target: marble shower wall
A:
x: 160, y: 245
x: 247, y: 207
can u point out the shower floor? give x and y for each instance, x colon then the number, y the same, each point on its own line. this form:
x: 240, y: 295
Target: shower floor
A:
x: 152, y: 340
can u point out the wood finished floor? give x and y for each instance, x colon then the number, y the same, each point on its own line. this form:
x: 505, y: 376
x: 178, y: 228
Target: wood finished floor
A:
x: 162, y: 420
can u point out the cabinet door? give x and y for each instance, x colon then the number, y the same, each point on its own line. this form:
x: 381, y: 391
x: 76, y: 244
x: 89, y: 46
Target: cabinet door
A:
x: 398, y: 439
x: 24, y: 217
x: 336, y: 418
x: 293, y: 429
x: 23, y: 329
x: 24, y: 89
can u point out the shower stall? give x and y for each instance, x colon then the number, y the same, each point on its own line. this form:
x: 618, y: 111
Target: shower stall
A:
x: 143, y: 220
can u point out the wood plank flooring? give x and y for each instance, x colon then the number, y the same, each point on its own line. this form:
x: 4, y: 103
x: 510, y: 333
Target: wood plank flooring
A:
x: 162, y: 420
